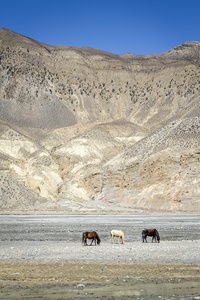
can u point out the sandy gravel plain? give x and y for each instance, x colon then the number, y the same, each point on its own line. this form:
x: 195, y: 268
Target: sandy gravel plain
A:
x: 42, y: 257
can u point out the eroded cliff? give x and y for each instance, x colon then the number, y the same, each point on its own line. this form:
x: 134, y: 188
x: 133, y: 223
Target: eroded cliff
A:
x: 86, y: 130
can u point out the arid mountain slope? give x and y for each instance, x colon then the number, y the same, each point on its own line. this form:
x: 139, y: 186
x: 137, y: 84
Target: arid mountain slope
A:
x: 83, y: 130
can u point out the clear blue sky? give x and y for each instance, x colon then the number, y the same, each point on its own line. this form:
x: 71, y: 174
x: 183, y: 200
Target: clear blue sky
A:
x: 117, y: 26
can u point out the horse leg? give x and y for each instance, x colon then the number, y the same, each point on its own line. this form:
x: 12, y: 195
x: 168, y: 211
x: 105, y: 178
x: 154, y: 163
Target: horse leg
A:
x: 91, y: 241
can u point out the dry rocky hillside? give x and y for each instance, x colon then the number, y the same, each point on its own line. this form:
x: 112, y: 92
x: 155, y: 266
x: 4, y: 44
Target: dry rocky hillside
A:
x: 83, y: 130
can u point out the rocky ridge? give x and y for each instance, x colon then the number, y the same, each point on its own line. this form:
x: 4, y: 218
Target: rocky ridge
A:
x: 85, y: 130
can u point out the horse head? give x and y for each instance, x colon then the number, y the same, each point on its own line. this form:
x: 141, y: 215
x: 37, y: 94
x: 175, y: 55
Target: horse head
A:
x: 83, y: 238
x: 98, y: 239
x: 158, y: 237
x: 143, y: 235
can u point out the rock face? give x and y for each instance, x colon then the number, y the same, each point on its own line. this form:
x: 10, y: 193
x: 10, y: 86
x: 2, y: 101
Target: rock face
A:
x: 85, y: 130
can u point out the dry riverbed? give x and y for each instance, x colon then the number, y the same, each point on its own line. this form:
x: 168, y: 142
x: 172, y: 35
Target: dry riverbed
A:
x: 41, y: 257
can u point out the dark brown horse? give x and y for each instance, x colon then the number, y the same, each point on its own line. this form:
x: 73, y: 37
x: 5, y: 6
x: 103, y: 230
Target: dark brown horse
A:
x: 91, y: 236
x: 150, y: 232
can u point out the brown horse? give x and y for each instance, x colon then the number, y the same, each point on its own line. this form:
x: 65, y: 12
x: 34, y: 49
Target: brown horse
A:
x: 91, y: 236
x: 150, y: 232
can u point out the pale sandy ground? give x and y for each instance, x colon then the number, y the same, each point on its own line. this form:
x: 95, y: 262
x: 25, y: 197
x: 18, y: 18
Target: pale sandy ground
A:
x: 41, y: 257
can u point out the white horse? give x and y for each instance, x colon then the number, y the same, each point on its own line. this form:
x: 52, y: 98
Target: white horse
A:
x: 117, y: 233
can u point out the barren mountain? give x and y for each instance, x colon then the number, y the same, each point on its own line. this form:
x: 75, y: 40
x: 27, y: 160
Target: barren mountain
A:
x: 85, y: 130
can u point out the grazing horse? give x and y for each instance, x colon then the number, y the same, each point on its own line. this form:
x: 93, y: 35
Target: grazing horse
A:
x: 117, y: 233
x: 150, y: 232
x: 91, y: 236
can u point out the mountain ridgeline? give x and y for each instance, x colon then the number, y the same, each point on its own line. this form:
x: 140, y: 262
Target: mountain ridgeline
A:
x: 83, y: 130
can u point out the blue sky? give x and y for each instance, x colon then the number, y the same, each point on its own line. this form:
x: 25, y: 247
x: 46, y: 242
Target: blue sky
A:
x: 117, y: 26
